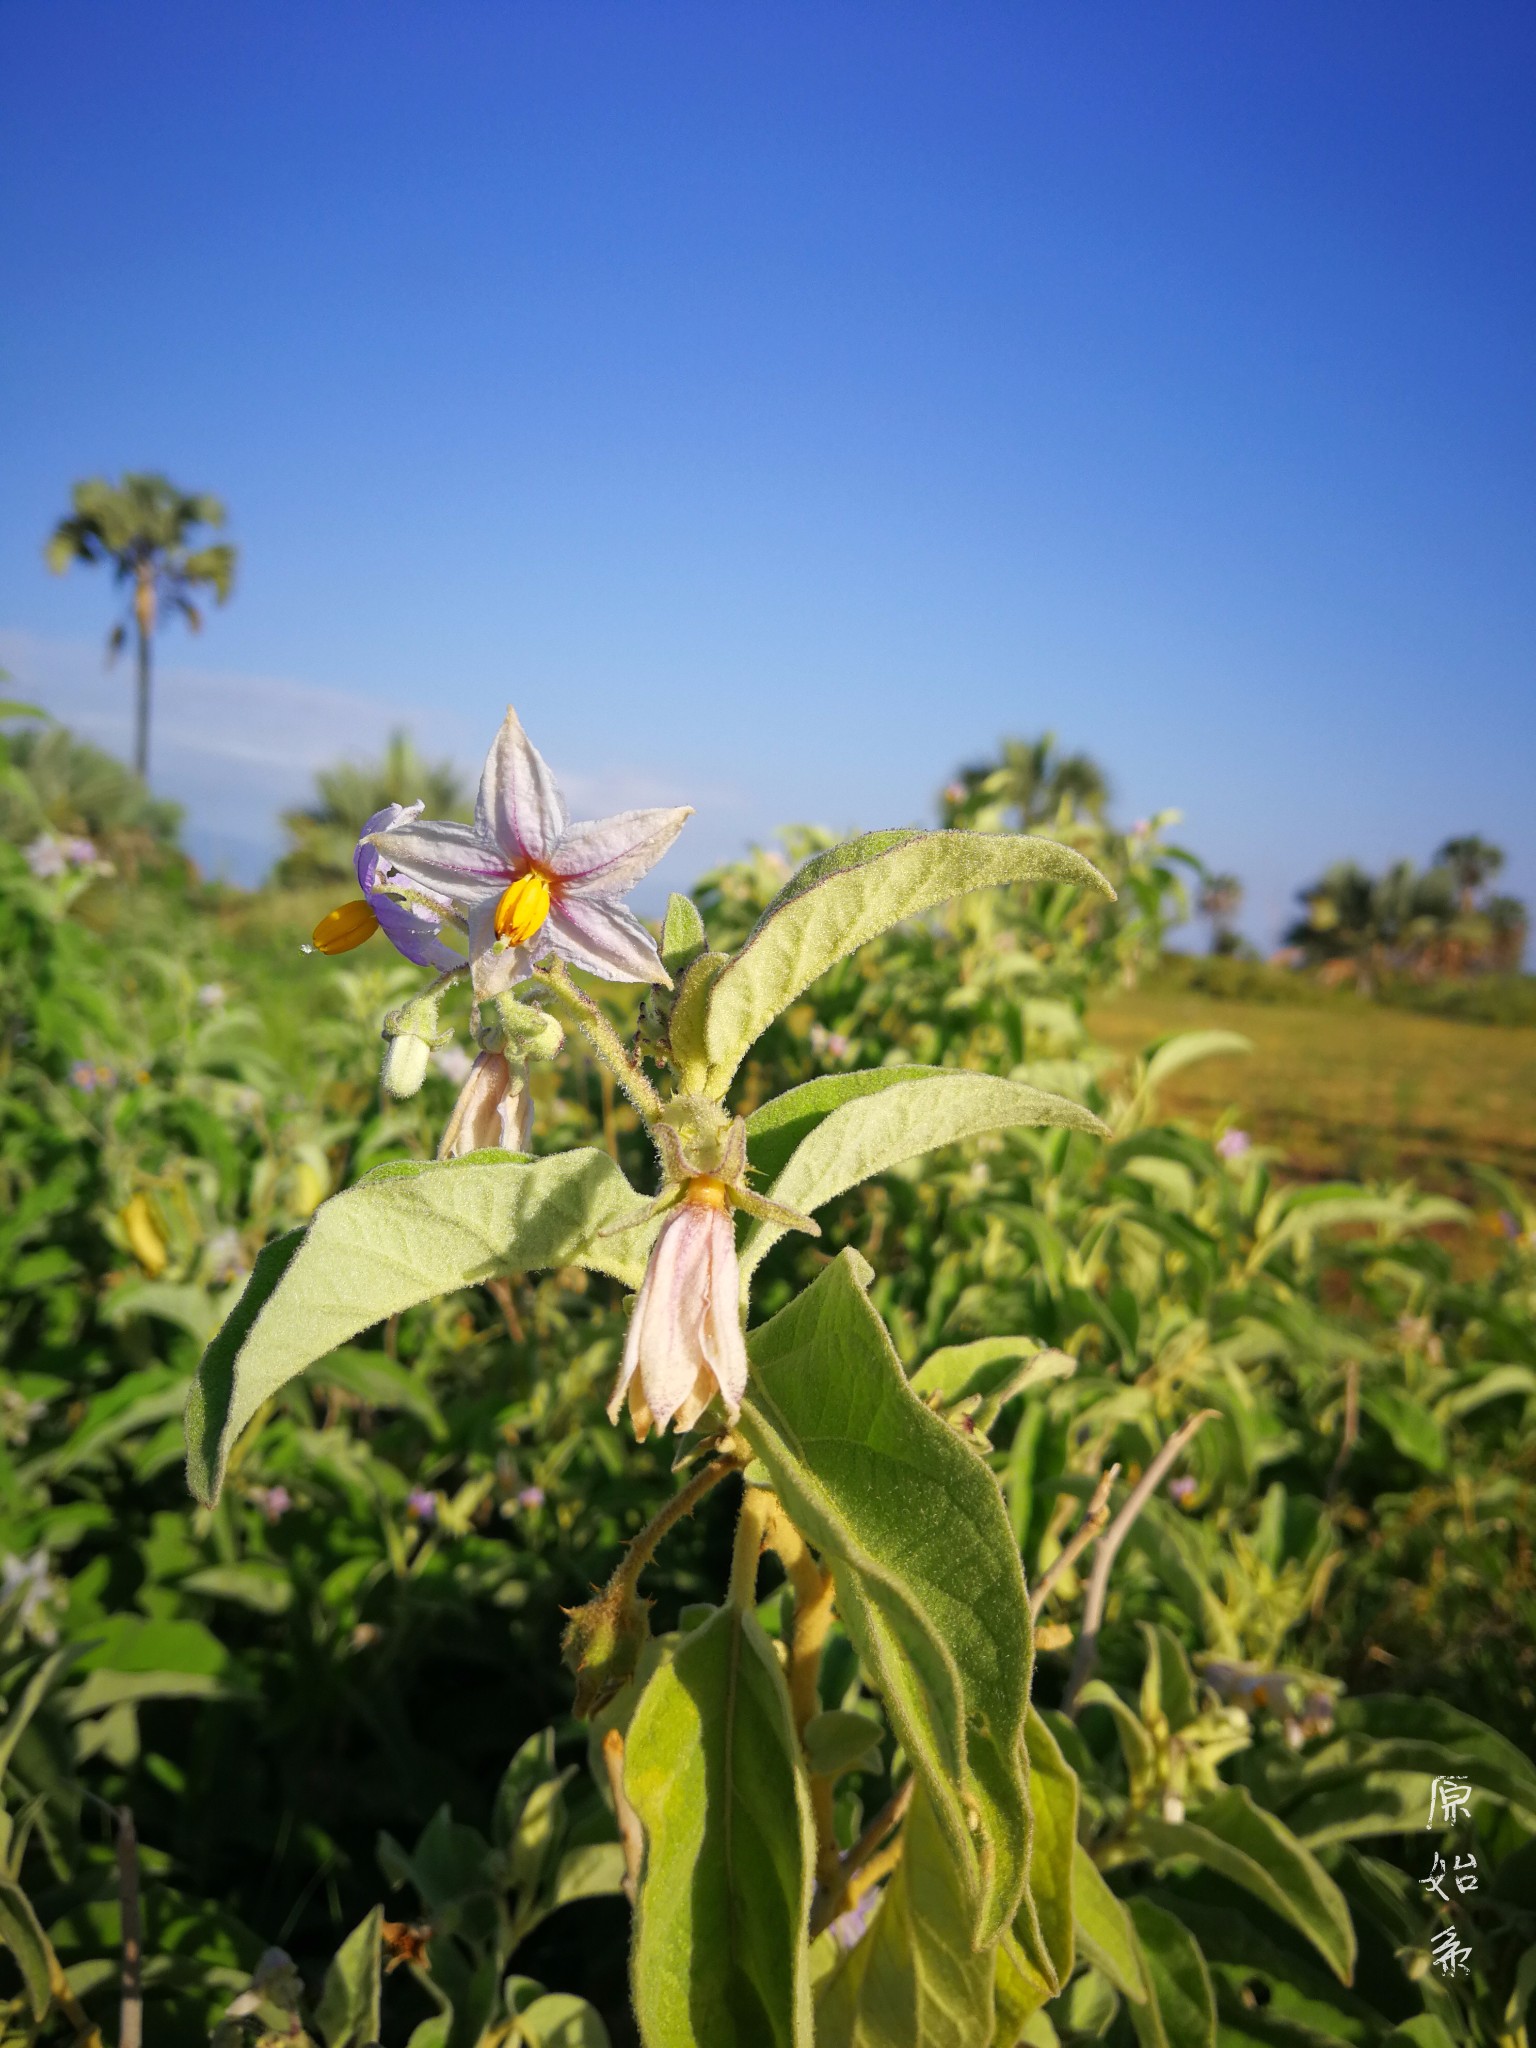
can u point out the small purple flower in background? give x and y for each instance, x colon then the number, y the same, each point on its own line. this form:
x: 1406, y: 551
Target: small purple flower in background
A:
x: 1183, y: 1489
x: 420, y: 1505
x: 224, y: 1258
x: 82, y: 1075
x: 79, y: 853
x: 211, y: 995
x: 831, y: 1045
x: 1509, y: 1223
x: 848, y: 1927
x: 1233, y: 1145
x: 453, y: 1063
x: 531, y: 1497
x: 45, y: 857
x: 274, y: 1501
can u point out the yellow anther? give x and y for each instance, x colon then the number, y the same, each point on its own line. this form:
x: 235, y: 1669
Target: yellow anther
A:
x: 523, y: 908
x: 345, y: 927
x: 707, y: 1190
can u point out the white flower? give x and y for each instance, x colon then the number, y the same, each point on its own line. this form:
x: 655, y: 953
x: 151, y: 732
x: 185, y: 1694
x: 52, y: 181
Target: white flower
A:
x: 25, y: 1580
x: 494, y: 1109
x: 528, y: 882
x: 685, y: 1343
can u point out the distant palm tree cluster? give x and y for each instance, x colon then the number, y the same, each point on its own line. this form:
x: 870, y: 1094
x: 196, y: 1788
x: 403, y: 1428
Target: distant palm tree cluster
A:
x: 1026, y: 788
x: 323, y: 836
x: 1437, y: 923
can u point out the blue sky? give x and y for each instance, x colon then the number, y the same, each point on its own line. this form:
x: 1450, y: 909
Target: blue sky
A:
x: 781, y: 402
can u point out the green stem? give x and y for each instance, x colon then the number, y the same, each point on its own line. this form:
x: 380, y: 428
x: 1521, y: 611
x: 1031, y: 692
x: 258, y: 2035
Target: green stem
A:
x: 643, y: 1547
x: 602, y: 1038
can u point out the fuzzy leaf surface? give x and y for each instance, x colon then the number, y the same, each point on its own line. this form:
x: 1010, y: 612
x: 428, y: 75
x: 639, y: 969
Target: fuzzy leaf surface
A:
x: 348, y: 2012
x: 1180, y: 2011
x: 1105, y: 1933
x: 914, y: 1981
x: 929, y: 1585
x: 869, y: 1134
x: 403, y: 1235
x: 851, y: 894
x: 1241, y: 1842
x: 710, y: 1766
x: 777, y: 1127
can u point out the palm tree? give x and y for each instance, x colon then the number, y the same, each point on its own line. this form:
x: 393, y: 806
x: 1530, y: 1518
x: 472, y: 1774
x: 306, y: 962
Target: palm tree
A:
x: 323, y: 837
x: 1221, y: 898
x: 1031, y: 781
x: 143, y: 527
x: 1472, y: 861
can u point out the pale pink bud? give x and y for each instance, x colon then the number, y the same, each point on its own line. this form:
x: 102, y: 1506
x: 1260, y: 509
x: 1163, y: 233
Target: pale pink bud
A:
x: 494, y: 1108
x: 685, y: 1343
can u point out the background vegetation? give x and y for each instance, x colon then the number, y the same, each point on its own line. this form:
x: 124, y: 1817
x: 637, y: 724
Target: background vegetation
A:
x: 340, y: 1690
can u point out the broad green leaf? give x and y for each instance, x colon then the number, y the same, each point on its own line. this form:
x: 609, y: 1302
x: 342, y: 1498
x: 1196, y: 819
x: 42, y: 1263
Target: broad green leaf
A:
x: 1181, y: 2009
x: 1422, y: 2031
x: 1019, y: 1994
x: 22, y: 1934
x: 403, y: 1235
x: 1168, y: 1688
x: 1136, y: 1745
x: 1412, y: 1428
x: 26, y: 1702
x: 914, y: 1981
x: 777, y: 1127
x: 835, y: 1742
x: 710, y: 1767
x: 1105, y: 1935
x: 376, y: 1380
x: 348, y: 2012
x: 264, y: 1588
x: 869, y: 1134
x: 1187, y: 1048
x: 1047, y: 1939
x: 532, y: 1765
x: 849, y: 895
x: 594, y: 1871
x: 929, y: 1586
x: 1242, y: 1843
x: 560, y: 2020
x: 958, y: 1370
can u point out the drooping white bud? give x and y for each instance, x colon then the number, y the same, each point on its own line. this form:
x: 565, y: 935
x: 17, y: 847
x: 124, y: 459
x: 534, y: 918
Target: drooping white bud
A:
x: 685, y: 1343
x: 494, y: 1109
x: 405, y: 1065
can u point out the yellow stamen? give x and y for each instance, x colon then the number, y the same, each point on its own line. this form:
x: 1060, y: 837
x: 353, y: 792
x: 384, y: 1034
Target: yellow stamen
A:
x: 345, y: 927
x: 523, y: 908
x: 707, y: 1191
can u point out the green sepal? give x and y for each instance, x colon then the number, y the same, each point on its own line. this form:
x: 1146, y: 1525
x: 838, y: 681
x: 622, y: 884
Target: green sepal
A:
x: 683, y: 937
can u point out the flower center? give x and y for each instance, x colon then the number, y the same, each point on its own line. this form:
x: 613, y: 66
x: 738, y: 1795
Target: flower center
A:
x: 345, y: 927
x: 707, y: 1190
x: 523, y: 908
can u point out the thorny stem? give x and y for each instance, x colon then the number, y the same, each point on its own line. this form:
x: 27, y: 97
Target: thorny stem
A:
x: 813, y: 1592
x: 861, y: 1859
x: 630, y: 1833
x: 602, y: 1038
x: 1108, y: 1547
x: 1093, y: 1521
x: 642, y: 1548
x: 751, y: 1526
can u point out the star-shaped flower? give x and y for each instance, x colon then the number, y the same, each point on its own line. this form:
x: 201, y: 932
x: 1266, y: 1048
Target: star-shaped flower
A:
x: 530, y: 883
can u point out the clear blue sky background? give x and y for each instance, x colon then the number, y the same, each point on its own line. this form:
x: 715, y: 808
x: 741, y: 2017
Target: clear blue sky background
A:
x: 782, y: 401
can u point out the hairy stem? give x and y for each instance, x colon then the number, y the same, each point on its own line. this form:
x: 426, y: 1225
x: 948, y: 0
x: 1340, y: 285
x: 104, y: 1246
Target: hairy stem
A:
x: 642, y: 1548
x: 1108, y: 1548
x: 130, y: 2031
x: 838, y: 1897
x: 752, y: 1524
x: 602, y: 1038
x: 813, y: 1592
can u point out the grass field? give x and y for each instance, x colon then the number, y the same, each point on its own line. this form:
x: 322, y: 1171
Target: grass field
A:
x: 1351, y: 1090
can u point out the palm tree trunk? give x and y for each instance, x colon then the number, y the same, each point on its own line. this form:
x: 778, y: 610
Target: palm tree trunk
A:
x: 141, y: 723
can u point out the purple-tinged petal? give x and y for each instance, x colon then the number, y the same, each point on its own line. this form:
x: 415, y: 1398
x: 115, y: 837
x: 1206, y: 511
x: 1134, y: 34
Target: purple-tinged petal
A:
x: 519, y: 808
x: 607, y: 856
x: 604, y: 939
x: 442, y: 856
x: 413, y: 932
x: 369, y: 862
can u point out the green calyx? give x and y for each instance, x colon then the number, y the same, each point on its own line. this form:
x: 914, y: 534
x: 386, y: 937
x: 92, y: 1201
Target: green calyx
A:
x: 602, y: 1643
x: 523, y: 1031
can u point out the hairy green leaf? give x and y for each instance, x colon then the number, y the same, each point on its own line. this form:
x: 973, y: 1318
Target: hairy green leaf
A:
x: 1045, y: 1923
x: 1105, y: 1934
x: 1180, y: 2011
x: 849, y: 895
x: 403, y: 1235
x: 710, y: 1767
x: 869, y: 1134
x: 560, y: 2020
x: 777, y: 1127
x: 929, y: 1586
x: 1242, y: 1843
x: 348, y: 2012
x: 914, y: 1981
x: 835, y: 1742
x: 21, y: 1932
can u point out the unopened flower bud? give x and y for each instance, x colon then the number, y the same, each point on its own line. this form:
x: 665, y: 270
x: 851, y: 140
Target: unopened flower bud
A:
x: 602, y: 1644
x: 405, y: 1065
x: 494, y: 1109
x: 522, y: 1030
